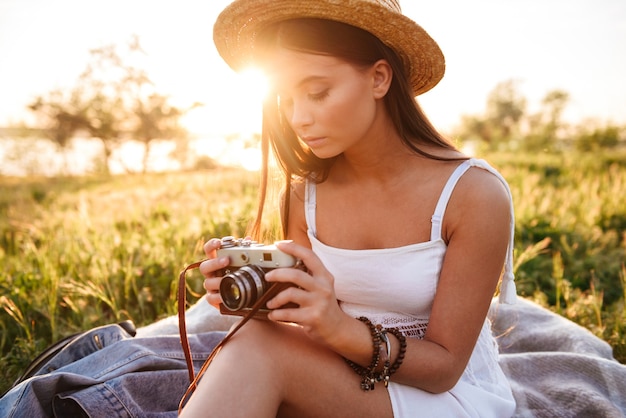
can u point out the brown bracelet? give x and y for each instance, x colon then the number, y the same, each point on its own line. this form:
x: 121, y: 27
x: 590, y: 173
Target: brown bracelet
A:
x: 386, y: 357
x: 402, y: 339
x: 368, y: 375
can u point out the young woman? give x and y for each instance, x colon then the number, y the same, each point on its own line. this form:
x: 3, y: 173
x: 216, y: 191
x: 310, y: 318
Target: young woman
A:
x: 404, y: 237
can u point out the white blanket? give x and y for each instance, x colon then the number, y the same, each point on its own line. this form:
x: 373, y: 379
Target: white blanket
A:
x: 556, y: 368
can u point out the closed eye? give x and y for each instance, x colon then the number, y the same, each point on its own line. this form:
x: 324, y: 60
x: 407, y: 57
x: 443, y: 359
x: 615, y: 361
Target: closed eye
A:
x: 317, y: 97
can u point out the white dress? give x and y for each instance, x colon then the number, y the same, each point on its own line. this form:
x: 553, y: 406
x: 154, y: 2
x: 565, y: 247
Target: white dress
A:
x: 395, y: 287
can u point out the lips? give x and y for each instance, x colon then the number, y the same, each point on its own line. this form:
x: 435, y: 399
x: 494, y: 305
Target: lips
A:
x: 314, y: 142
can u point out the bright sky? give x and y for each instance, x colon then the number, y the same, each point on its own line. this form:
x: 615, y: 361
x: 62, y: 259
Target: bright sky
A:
x: 575, y: 45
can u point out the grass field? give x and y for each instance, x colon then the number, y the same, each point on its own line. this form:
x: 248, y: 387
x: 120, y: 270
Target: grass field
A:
x: 85, y: 251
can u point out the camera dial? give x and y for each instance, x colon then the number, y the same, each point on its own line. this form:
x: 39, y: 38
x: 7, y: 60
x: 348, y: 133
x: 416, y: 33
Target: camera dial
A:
x: 230, y: 242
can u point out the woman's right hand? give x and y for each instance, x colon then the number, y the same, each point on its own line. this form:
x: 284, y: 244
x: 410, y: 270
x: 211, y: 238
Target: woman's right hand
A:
x: 210, y: 270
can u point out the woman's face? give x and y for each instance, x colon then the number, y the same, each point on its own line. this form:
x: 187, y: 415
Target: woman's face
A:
x: 329, y: 103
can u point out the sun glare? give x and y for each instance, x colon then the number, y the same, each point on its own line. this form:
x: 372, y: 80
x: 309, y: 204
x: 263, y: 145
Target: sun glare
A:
x: 234, y: 121
x: 255, y: 83
x: 253, y: 86
x: 239, y: 108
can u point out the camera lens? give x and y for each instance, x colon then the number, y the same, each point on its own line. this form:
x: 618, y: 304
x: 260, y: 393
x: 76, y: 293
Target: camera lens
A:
x: 234, y: 293
x: 242, y: 288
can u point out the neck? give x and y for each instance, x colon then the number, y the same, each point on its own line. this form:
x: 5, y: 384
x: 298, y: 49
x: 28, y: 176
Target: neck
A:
x: 380, y: 154
x: 381, y: 160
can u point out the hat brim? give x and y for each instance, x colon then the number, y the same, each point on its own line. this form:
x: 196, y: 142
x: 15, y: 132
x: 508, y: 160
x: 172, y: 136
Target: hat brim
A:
x: 238, y: 25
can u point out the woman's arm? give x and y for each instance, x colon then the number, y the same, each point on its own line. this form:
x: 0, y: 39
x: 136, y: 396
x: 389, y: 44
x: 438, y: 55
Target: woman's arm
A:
x: 477, y: 230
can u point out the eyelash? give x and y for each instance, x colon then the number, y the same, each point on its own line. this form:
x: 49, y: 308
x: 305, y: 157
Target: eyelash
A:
x: 318, y: 97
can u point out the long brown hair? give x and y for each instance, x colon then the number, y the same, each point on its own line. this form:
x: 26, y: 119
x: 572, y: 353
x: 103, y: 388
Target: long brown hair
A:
x: 354, y: 45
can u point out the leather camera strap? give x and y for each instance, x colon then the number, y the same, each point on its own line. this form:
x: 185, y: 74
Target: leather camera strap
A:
x: 182, y: 327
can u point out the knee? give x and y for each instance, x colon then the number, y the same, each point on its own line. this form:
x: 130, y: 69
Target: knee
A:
x: 259, y: 338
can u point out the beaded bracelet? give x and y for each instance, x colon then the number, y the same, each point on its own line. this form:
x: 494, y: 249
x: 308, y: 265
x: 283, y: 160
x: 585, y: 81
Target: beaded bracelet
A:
x: 386, y: 356
x: 368, y: 375
x: 402, y: 339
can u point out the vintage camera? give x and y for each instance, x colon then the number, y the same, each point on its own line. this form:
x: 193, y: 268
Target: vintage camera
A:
x: 243, y: 281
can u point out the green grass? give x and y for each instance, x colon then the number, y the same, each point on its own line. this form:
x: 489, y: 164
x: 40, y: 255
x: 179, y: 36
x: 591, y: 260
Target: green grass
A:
x: 571, y: 225
x: 80, y: 252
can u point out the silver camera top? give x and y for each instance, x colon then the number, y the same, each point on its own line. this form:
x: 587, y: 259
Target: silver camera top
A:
x: 229, y: 242
x: 243, y: 252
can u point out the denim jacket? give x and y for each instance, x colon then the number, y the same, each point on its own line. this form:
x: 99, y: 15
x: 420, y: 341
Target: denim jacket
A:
x: 108, y: 373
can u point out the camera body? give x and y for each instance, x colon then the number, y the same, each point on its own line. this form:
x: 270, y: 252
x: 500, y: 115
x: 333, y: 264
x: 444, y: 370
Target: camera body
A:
x: 243, y: 280
x: 244, y: 252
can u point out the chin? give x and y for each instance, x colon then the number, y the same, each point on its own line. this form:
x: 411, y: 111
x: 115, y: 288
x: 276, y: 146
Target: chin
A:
x: 325, y: 154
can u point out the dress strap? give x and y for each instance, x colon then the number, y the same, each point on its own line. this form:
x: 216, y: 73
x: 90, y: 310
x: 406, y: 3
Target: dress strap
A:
x: 440, y: 209
x: 310, y: 203
x: 508, y: 292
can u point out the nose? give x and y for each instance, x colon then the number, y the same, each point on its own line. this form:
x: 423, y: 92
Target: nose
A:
x: 300, y: 115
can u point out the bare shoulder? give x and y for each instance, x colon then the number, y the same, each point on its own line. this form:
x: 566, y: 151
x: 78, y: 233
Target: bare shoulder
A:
x: 480, y: 200
x: 482, y: 184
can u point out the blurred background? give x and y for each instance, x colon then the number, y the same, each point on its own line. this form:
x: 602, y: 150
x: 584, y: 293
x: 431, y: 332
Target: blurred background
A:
x: 514, y: 53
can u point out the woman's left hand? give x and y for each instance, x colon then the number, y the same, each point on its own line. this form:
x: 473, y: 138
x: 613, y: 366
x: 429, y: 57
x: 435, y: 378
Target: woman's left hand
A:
x: 318, y: 313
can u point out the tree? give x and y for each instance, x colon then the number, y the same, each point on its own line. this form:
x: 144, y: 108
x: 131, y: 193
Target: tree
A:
x: 592, y: 136
x: 60, y: 117
x: 501, y: 122
x: 545, y: 127
x: 506, y: 107
x: 505, y: 122
x: 113, y: 100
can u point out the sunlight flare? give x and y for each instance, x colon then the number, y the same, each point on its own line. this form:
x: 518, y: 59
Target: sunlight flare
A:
x: 254, y: 83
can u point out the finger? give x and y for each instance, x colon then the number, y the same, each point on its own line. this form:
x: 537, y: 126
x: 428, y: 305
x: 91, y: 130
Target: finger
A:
x: 294, y: 276
x: 297, y: 315
x: 212, y: 285
x: 285, y: 315
x: 214, y: 299
x: 308, y: 257
x: 211, y: 246
x: 210, y: 268
x: 288, y: 295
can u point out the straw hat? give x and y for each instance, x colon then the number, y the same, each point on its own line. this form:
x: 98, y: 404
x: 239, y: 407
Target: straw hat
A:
x: 237, y: 26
